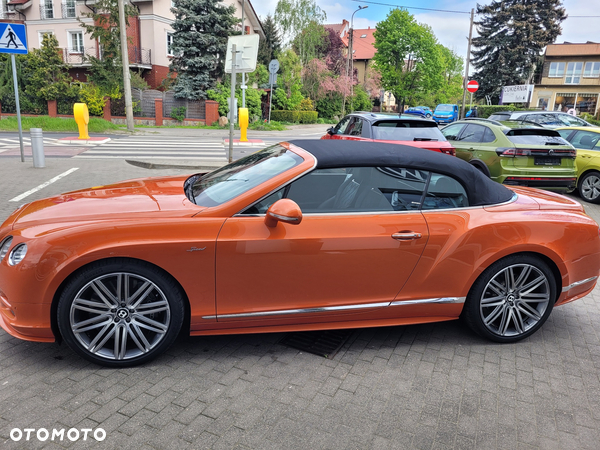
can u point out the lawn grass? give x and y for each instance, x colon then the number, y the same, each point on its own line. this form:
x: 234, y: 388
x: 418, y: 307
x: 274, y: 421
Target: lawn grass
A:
x: 47, y: 123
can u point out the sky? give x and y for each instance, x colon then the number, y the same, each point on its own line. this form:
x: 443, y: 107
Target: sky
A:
x: 451, y: 29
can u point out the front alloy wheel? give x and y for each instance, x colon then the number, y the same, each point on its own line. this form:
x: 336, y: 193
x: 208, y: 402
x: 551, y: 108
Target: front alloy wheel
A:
x: 120, y: 314
x: 589, y: 187
x: 511, y: 299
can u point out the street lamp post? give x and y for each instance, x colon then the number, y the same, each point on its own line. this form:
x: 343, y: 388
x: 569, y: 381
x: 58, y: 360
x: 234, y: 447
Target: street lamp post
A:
x: 350, y: 39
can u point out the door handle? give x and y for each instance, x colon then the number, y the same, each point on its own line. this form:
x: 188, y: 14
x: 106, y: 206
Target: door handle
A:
x: 407, y: 236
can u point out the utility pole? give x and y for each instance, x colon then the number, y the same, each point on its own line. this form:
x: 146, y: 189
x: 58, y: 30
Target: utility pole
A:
x: 350, y: 38
x: 243, y: 86
x: 125, y: 61
x: 466, y: 78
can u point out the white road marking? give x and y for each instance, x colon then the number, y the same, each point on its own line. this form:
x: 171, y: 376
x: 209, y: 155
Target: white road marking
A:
x: 43, y: 185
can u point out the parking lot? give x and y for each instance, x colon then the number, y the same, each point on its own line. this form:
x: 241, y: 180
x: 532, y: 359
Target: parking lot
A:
x: 432, y: 386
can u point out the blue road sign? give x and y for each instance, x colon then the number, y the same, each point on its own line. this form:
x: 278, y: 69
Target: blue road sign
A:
x: 13, y: 38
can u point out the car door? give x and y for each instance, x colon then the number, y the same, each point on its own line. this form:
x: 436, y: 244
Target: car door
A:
x: 360, y: 237
x: 354, y: 131
x: 339, y: 130
x: 586, y: 143
x: 452, y: 134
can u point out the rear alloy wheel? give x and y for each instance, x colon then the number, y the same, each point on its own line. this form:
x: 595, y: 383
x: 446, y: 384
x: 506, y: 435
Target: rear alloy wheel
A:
x: 120, y: 314
x: 589, y: 187
x: 511, y: 299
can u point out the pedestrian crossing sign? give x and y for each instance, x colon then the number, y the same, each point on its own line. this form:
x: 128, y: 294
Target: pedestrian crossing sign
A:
x: 13, y: 38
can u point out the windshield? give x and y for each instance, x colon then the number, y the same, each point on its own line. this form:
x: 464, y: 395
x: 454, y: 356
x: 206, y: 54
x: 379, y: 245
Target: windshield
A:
x: 443, y: 108
x: 407, y: 131
x: 240, y: 176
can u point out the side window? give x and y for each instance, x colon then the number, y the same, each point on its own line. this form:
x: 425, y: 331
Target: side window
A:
x: 445, y: 192
x: 340, y: 128
x: 473, y: 133
x: 585, y: 140
x: 488, y: 135
x: 451, y: 132
x: 565, y: 134
x: 356, y: 127
x: 352, y: 189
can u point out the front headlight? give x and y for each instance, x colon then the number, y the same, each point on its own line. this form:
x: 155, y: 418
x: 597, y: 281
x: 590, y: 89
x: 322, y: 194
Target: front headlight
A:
x: 4, y: 246
x: 17, y: 254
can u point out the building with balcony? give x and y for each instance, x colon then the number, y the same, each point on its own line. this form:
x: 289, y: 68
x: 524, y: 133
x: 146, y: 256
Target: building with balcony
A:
x: 149, y: 33
x: 570, y: 78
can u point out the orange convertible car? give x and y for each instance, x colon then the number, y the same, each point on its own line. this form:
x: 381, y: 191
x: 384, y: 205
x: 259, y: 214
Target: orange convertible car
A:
x: 303, y: 235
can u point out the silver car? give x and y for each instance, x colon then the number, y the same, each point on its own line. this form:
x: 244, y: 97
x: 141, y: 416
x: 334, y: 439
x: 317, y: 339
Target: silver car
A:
x: 547, y: 119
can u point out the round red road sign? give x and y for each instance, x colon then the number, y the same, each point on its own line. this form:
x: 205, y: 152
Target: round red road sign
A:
x: 472, y: 86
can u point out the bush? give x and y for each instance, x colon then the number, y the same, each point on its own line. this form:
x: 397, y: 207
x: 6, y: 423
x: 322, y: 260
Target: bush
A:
x: 221, y: 95
x: 294, y: 116
x: 178, y: 113
x: 360, y: 101
x: 485, y: 111
x: 90, y: 94
x: 306, y: 105
x: 328, y: 107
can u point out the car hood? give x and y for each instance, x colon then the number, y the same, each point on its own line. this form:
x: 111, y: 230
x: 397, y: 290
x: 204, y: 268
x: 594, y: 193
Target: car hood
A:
x: 132, y: 199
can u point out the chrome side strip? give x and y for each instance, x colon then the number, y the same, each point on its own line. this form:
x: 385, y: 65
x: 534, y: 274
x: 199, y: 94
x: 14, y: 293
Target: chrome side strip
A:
x: 283, y: 312
x: 429, y: 300
x: 578, y: 283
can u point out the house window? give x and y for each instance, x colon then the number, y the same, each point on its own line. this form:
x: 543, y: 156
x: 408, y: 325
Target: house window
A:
x: 75, y: 42
x: 557, y: 69
x: 68, y: 9
x: 363, y: 35
x: 41, y: 35
x: 46, y: 9
x: 170, y: 44
x: 592, y: 69
x: 573, y: 72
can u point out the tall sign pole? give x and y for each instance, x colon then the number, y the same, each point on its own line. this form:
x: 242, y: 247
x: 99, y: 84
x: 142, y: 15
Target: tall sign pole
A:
x: 466, y: 80
x: 125, y: 61
x: 13, y: 40
x: 232, y: 103
x: 273, y: 68
x: 18, y: 105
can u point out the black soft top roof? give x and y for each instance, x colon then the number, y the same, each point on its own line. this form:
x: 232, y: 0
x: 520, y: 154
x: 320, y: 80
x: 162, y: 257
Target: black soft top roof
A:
x: 481, y: 190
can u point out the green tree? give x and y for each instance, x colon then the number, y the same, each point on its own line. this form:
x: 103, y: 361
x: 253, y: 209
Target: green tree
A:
x: 408, y: 57
x: 310, y: 43
x: 295, y: 16
x: 106, y: 71
x: 270, y: 46
x: 451, y: 88
x: 200, y: 45
x: 288, y: 94
x: 48, y: 76
x: 512, y: 35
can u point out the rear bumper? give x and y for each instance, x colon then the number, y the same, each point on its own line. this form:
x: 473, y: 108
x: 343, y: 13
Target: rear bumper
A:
x: 444, y: 119
x: 560, y: 183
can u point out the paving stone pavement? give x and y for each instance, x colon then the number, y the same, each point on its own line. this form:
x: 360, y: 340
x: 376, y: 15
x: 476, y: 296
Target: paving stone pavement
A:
x: 435, y: 386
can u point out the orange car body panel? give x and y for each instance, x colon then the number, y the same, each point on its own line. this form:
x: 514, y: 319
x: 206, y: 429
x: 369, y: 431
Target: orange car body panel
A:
x: 230, y: 264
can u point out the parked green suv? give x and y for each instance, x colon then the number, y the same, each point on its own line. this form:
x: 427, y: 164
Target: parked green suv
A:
x: 522, y: 156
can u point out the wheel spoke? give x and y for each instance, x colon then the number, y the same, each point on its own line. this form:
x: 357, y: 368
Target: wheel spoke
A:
x: 518, y: 320
x: 531, y: 312
x: 497, y: 287
x: 142, y: 297
x: 492, y: 301
x: 150, y: 324
x: 90, y: 324
x: 105, y: 295
x: 109, y: 329
x: 522, y: 277
x: 533, y: 285
x: 494, y: 314
x: 120, y: 344
x: 90, y: 306
x: 141, y: 342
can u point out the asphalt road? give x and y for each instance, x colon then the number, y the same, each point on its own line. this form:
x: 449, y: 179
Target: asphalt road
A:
x: 432, y: 386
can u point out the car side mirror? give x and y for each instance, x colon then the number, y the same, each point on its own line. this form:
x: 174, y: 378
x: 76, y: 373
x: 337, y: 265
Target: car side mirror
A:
x: 330, y: 131
x: 284, y: 210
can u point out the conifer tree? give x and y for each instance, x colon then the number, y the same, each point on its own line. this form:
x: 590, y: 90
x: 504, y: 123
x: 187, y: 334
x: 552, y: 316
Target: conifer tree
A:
x: 199, y: 45
x: 270, y: 46
x: 512, y: 35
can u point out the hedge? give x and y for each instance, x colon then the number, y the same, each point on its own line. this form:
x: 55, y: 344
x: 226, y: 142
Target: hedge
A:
x: 485, y: 111
x: 295, y: 116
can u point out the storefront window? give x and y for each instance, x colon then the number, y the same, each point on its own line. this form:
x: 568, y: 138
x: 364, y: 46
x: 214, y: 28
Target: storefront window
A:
x: 592, y: 69
x: 543, y: 103
x: 573, y: 72
x: 564, y: 101
x: 586, y: 103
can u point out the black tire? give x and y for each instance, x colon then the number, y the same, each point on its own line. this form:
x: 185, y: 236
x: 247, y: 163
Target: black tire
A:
x: 428, y: 116
x: 510, y: 311
x: 589, y: 187
x: 145, y: 318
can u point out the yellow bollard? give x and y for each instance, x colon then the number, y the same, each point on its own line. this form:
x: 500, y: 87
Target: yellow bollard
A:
x: 82, y: 118
x: 243, y: 118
